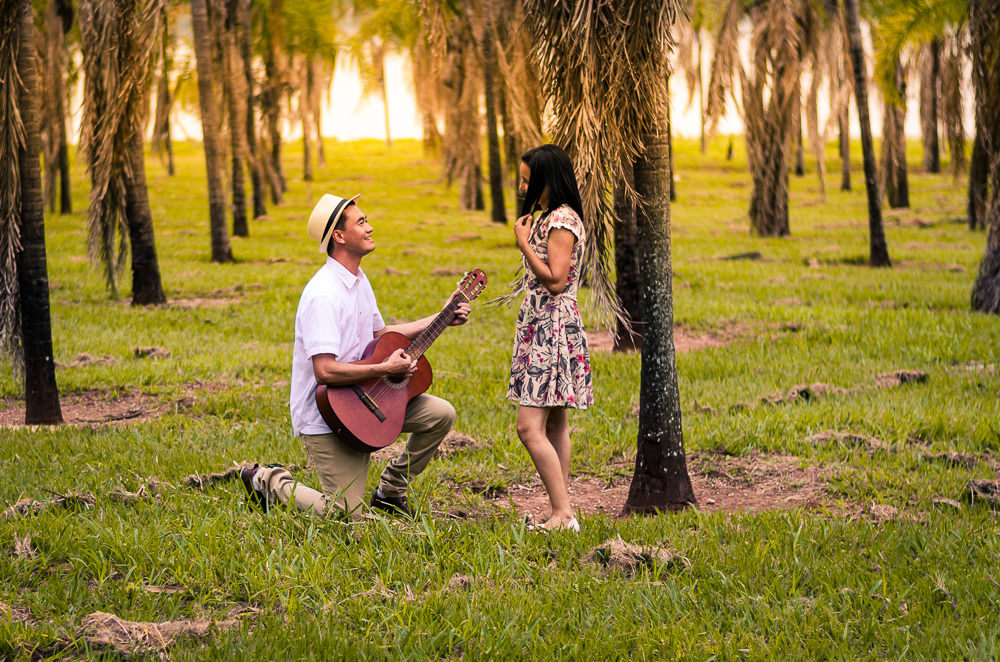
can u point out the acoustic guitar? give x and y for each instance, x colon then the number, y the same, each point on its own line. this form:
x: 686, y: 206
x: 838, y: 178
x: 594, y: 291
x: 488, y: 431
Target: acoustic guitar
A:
x: 369, y: 415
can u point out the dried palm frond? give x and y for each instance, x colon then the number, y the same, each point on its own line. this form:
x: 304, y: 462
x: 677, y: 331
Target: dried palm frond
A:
x: 725, y: 62
x: 117, y: 41
x: 12, y: 146
x: 603, y: 67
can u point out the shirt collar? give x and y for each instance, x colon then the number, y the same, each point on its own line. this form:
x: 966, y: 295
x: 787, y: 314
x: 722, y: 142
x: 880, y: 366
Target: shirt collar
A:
x: 343, y: 273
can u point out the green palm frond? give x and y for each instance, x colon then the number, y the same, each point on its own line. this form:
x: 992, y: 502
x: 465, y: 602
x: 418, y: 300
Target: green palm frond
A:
x: 901, y: 23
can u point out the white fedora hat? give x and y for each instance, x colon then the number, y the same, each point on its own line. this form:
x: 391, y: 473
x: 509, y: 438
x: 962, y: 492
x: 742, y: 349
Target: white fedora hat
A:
x: 324, y: 216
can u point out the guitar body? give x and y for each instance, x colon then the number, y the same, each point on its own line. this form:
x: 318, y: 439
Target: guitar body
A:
x: 370, y: 415
x: 347, y: 413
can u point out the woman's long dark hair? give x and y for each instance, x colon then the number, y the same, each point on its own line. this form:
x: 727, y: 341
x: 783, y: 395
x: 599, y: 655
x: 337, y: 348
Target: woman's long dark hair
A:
x: 550, y: 166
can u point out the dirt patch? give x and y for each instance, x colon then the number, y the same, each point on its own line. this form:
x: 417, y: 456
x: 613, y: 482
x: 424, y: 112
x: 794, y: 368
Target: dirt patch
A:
x: 109, y: 632
x: 97, y: 407
x: 629, y: 559
x: 753, y: 482
x: 685, y: 340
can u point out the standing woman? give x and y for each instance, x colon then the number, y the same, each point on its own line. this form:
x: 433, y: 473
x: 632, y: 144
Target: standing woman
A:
x: 550, y: 370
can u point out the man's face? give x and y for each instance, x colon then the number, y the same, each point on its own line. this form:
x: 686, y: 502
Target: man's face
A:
x: 356, y: 235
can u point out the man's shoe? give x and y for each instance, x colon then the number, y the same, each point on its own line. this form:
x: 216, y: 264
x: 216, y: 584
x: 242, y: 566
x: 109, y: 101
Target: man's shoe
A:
x: 255, y: 498
x: 390, y: 505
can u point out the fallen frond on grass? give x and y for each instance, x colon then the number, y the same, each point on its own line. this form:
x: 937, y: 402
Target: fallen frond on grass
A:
x: 109, y: 632
x: 33, y: 507
x: 984, y: 490
x: 630, y: 559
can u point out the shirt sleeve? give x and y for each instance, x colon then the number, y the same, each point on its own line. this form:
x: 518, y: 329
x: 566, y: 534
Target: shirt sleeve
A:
x: 566, y: 218
x: 321, y: 334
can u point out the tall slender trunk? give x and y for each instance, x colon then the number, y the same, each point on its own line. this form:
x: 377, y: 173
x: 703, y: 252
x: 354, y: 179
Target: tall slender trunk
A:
x: 511, y: 152
x: 844, y: 127
x: 237, y: 116
x: 660, y: 480
x: 627, y: 283
x: 800, y: 155
x: 250, y: 129
x: 895, y: 182
x: 146, y: 286
x: 163, y: 101
x: 380, y: 64
x: 930, y: 72
x: 41, y: 395
x: 878, y: 249
x: 703, y: 144
x: 214, y: 153
x: 56, y: 152
x: 304, y: 103
x: 498, y: 212
x: 978, y: 172
x: 316, y: 112
x: 670, y: 146
x: 984, y: 30
x: 271, y: 98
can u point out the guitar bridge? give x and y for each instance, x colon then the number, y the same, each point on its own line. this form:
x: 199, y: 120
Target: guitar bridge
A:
x: 368, y: 402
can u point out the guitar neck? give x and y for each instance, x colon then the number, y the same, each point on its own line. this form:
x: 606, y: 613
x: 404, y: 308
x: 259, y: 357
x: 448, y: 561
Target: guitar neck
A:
x: 423, y: 340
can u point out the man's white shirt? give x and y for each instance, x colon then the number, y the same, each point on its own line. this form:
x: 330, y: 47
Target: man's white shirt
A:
x: 337, y: 315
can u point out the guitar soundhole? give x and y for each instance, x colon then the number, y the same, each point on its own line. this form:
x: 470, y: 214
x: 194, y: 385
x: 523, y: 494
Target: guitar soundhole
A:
x: 396, y: 381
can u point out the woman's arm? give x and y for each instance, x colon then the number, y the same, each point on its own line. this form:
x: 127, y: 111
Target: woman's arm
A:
x: 554, y: 274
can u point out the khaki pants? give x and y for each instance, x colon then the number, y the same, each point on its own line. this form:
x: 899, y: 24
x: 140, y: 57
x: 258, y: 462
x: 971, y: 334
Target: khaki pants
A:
x: 342, y: 470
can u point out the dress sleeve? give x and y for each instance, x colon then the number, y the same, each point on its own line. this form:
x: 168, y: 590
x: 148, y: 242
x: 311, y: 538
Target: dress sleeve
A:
x: 566, y: 218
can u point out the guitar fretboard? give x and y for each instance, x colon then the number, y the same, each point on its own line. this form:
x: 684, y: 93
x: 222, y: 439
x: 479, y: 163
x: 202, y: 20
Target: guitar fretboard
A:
x: 426, y: 337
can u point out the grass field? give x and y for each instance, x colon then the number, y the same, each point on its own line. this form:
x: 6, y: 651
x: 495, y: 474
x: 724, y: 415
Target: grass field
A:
x: 887, y: 559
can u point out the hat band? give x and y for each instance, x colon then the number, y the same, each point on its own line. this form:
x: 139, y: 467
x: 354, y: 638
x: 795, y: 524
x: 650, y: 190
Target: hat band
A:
x: 333, y: 217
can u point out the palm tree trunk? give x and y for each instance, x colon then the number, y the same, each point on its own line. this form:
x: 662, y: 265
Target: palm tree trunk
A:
x: 985, y: 48
x: 146, y: 286
x: 214, y: 153
x: 40, y: 392
x: 978, y: 173
x: 254, y: 159
x: 380, y: 63
x: 271, y: 98
x: 660, y: 480
x: 316, y: 112
x: 56, y: 160
x: 237, y: 98
x: 929, y: 75
x: 878, y: 249
x: 670, y: 146
x: 844, y: 127
x: 703, y: 144
x: 627, y: 283
x: 304, y: 103
x: 897, y: 189
x: 498, y: 211
x: 161, y: 125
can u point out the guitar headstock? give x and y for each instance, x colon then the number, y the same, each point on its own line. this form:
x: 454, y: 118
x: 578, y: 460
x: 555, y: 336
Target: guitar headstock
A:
x: 472, y: 284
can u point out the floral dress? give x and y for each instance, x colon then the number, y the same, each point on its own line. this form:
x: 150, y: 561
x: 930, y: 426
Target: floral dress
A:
x: 551, y: 364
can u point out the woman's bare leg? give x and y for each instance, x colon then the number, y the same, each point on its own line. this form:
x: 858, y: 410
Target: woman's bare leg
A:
x: 531, y: 429
x: 557, y: 430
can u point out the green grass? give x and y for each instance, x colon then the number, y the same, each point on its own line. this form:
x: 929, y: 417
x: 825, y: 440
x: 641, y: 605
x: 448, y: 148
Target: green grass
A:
x: 814, y: 583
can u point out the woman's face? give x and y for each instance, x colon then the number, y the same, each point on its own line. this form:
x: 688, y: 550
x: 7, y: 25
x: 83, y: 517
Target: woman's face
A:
x: 524, y: 176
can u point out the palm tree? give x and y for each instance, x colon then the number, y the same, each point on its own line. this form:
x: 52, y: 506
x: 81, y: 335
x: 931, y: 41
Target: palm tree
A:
x: 271, y: 93
x: 770, y: 96
x: 161, y: 140
x: 117, y: 38
x: 878, y: 255
x: 487, y: 51
x: 25, y: 324
x: 212, y: 137
x: 254, y: 158
x: 930, y: 75
x: 592, y: 58
x: 984, y: 29
x: 894, y: 176
x: 58, y: 21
